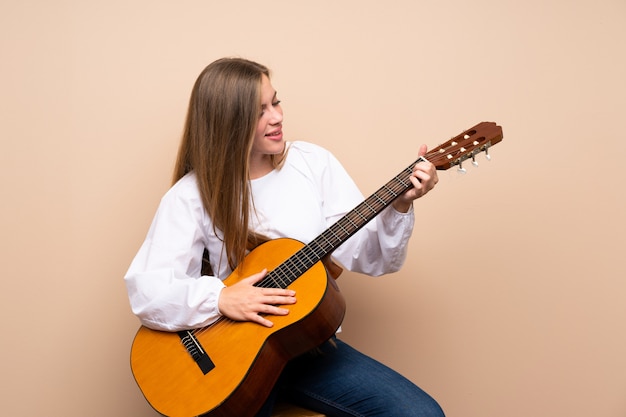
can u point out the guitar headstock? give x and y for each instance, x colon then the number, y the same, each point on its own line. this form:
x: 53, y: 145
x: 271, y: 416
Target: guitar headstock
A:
x: 465, y: 146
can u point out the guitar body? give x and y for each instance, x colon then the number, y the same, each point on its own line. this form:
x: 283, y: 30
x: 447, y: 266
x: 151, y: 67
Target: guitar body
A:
x: 247, y: 357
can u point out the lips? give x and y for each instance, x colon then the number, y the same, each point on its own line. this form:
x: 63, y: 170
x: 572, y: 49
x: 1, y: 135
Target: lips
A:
x: 276, y: 134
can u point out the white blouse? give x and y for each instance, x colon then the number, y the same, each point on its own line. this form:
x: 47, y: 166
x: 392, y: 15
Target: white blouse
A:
x: 308, y: 194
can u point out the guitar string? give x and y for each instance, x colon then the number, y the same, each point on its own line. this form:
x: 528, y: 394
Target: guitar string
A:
x: 342, y: 229
x: 281, y: 278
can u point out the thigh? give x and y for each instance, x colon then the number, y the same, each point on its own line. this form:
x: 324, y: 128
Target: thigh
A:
x: 341, y: 381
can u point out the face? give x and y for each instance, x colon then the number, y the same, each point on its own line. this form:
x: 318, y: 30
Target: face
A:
x: 268, y: 139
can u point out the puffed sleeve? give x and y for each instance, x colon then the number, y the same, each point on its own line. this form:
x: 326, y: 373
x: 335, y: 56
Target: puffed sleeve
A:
x: 164, y: 282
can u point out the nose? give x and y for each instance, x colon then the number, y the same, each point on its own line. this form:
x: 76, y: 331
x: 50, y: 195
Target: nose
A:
x: 276, y: 116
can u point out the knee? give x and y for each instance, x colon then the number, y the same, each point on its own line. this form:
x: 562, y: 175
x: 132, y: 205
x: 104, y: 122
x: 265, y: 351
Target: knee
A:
x: 432, y: 409
x: 424, y: 406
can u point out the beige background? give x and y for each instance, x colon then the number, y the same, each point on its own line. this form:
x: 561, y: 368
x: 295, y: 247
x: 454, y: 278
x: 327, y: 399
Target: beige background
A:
x: 512, y: 301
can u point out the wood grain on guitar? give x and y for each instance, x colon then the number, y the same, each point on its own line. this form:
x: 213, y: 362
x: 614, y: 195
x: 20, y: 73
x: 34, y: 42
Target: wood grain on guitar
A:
x: 229, y: 368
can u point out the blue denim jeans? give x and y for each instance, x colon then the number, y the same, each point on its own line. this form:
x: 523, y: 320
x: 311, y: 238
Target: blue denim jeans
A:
x: 339, y: 381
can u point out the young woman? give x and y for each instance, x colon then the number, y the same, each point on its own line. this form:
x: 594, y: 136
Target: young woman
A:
x: 238, y: 183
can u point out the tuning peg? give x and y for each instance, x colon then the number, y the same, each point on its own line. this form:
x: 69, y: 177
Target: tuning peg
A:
x: 487, y: 156
x: 461, y: 170
x: 474, y: 162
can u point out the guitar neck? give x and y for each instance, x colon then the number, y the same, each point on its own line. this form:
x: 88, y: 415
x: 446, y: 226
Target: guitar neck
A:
x: 453, y: 152
x: 340, y: 231
x: 362, y: 214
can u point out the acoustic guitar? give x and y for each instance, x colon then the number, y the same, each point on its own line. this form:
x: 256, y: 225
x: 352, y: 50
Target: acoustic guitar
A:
x: 228, y: 368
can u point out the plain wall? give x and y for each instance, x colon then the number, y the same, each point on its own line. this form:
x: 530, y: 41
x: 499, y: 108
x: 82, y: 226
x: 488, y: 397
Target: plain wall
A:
x: 512, y: 299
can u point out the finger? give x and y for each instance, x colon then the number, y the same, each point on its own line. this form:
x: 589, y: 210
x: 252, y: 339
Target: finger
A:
x: 254, y: 278
x: 423, y: 150
x: 279, y: 299
x: 421, y: 177
x: 255, y: 318
x: 267, y: 309
x: 426, y: 171
x: 424, y: 166
x: 417, y: 185
x: 427, y: 182
x: 278, y: 292
x: 277, y: 311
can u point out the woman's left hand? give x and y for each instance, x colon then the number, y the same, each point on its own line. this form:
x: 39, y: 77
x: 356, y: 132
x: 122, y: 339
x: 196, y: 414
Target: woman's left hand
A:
x: 424, y: 179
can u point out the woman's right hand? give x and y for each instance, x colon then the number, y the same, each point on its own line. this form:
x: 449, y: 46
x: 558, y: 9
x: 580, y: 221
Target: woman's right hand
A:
x: 245, y: 302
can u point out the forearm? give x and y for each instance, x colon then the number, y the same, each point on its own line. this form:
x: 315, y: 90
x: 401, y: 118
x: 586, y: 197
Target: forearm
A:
x: 169, y: 301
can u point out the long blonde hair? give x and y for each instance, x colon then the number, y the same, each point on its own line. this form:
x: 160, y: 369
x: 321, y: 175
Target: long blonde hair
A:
x: 223, y: 113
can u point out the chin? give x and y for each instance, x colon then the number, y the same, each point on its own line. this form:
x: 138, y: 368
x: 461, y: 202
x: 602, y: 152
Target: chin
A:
x: 277, y: 148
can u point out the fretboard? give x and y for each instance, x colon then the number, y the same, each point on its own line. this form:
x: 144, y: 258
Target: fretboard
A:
x: 339, y: 232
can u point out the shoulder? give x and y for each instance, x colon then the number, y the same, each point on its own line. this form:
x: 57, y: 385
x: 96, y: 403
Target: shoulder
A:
x: 186, y: 185
x: 308, y: 153
x: 314, y: 161
x: 307, y: 148
x: 185, y: 190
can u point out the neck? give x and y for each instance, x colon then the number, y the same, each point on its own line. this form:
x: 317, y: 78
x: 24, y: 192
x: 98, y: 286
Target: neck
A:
x: 260, y: 167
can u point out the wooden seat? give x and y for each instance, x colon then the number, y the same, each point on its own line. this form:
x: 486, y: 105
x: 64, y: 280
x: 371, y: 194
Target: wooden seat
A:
x: 283, y: 409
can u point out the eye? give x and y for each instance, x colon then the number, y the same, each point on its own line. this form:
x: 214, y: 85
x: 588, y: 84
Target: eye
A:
x: 274, y: 104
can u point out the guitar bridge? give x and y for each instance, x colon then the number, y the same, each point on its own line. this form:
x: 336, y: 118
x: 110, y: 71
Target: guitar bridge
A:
x: 195, y: 350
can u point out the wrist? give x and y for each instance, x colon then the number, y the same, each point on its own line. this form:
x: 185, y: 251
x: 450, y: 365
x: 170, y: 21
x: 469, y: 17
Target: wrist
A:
x: 402, y: 206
